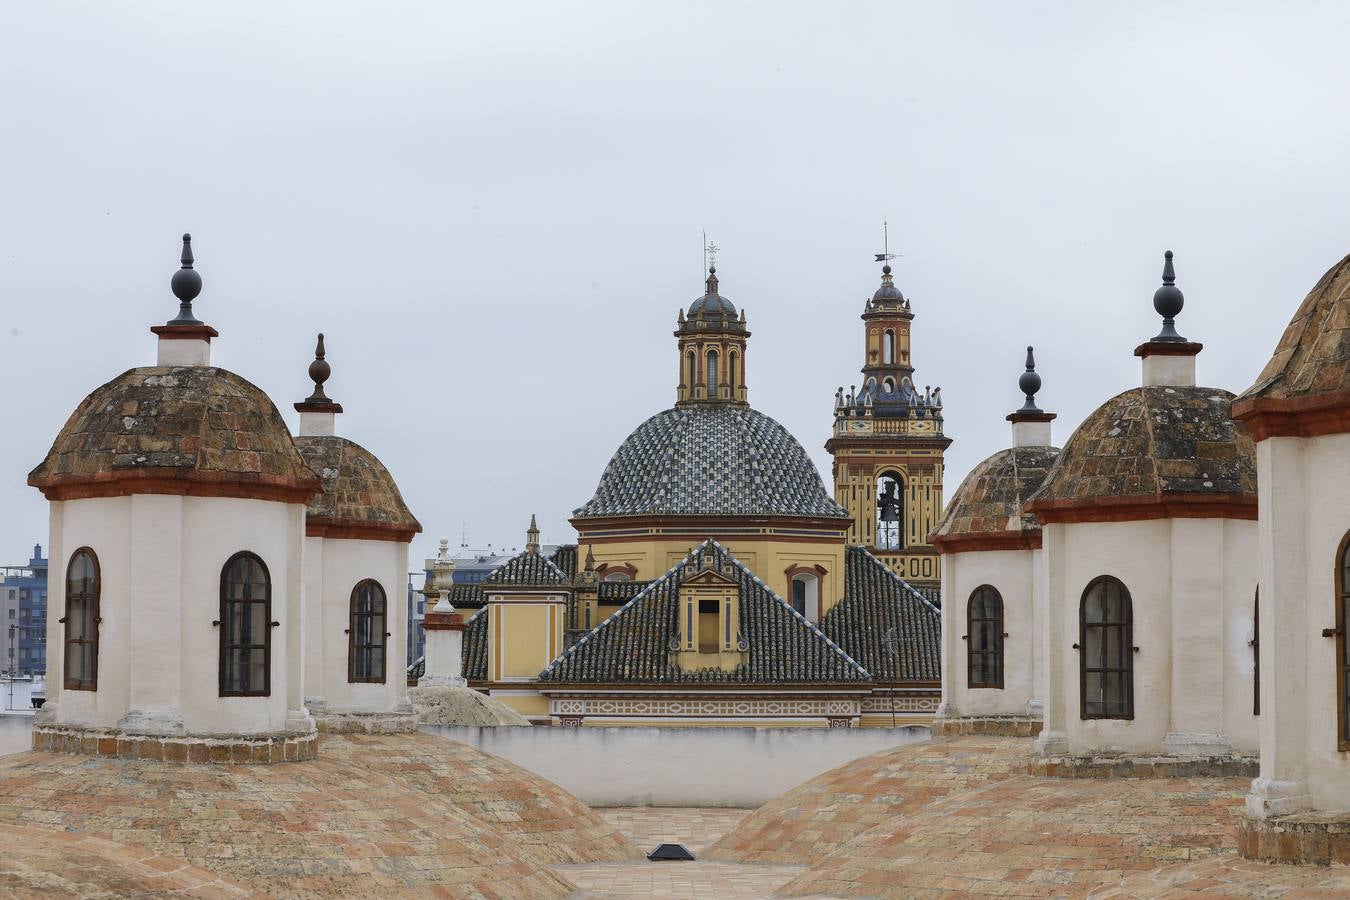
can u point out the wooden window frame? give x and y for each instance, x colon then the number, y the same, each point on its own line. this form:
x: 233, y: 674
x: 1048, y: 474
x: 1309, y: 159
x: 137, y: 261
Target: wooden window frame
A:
x: 1127, y: 653
x: 998, y: 636
x: 1342, y: 675
x: 352, y: 631
x: 95, y: 618
x: 224, y: 625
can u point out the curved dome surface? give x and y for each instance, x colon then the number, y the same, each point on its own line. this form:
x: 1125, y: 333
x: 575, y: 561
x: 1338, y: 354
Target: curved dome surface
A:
x: 1151, y: 442
x: 989, y: 502
x: 175, y: 429
x: 357, y: 490
x: 711, y: 460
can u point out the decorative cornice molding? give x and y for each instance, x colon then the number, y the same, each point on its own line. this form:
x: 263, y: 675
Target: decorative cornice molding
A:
x: 1304, y: 416
x: 1141, y: 508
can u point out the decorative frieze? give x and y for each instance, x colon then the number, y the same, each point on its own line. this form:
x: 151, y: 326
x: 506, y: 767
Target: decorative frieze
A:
x: 704, y: 707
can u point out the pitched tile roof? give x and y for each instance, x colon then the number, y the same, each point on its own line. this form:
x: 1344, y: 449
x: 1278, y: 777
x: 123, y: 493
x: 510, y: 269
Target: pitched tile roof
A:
x: 565, y: 558
x: 633, y: 645
x: 1153, y: 441
x: 1313, y: 355
x: 989, y: 500
x: 877, y: 602
x: 475, y: 647
x: 711, y: 459
x: 528, y: 569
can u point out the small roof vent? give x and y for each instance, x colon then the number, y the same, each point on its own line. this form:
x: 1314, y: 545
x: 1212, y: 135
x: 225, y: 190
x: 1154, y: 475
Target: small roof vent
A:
x: 670, y: 853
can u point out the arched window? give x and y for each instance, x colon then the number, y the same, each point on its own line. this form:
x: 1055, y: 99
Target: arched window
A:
x: 1256, y: 653
x: 806, y: 595
x: 82, y: 592
x: 732, y: 359
x: 367, y: 638
x: 1106, y: 650
x: 1342, y: 658
x: 888, y: 347
x: 245, y: 627
x: 888, y: 386
x: 984, y: 639
x: 617, y: 576
x: 693, y: 370
x: 712, y: 373
x: 890, y: 511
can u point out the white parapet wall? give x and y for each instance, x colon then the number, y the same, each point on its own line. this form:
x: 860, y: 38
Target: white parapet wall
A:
x: 733, y: 767
x: 16, y: 732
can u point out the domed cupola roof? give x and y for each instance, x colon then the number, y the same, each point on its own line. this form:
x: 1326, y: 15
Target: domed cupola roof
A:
x: 1304, y: 390
x: 711, y: 460
x: 888, y: 294
x: 712, y: 305
x: 358, y: 498
x: 176, y: 429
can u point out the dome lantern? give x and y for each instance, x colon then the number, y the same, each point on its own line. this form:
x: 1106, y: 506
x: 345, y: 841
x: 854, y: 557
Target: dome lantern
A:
x: 712, y: 337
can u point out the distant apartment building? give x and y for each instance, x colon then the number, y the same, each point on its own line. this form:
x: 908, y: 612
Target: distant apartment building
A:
x: 23, y: 615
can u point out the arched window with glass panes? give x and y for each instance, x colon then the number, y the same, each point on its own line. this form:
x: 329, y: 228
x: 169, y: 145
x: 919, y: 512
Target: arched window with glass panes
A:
x: 83, y: 586
x: 984, y: 639
x: 1106, y: 650
x: 245, y: 627
x: 368, y: 638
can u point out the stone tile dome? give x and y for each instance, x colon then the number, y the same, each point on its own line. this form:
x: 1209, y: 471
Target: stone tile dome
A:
x: 1158, y: 449
x: 359, y: 498
x: 988, y: 506
x: 1312, y: 359
x: 711, y: 460
x: 175, y: 430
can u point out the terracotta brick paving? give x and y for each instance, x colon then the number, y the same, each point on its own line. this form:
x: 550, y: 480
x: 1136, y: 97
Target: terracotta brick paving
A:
x: 351, y: 822
x: 695, y: 828
x: 1029, y: 836
x: 1232, y: 876
x: 42, y: 863
x: 826, y: 812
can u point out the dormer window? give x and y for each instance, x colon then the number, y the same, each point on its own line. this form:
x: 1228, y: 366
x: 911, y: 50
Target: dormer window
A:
x: 709, y: 618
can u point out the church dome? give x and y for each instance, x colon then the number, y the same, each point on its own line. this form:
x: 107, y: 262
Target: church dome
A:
x: 888, y: 293
x: 175, y: 430
x: 711, y: 460
x: 359, y: 498
x: 987, y: 509
x: 1159, y: 450
x: 712, y: 303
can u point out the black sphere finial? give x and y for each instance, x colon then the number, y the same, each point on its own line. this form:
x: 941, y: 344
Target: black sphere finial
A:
x: 186, y: 285
x: 319, y: 370
x: 1029, y: 383
x: 886, y: 269
x: 1168, y: 301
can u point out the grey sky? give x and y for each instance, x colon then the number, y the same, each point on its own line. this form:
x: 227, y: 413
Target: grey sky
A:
x: 494, y: 211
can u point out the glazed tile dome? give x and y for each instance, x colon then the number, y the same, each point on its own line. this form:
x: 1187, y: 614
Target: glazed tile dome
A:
x: 175, y: 430
x: 887, y: 293
x: 987, y: 509
x: 359, y: 498
x: 711, y: 460
x: 712, y: 303
x: 1157, y: 449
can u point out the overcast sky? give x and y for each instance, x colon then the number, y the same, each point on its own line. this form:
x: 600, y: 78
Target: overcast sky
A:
x: 494, y: 211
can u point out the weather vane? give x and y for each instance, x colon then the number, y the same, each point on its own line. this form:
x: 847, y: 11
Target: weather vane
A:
x: 709, y: 252
x: 885, y: 255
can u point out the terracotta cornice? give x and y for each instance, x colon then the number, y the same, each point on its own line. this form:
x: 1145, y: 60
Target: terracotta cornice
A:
x: 1031, y: 417
x: 318, y: 526
x: 1152, y: 506
x: 327, y: 406
x: 1168, y: 348
x: 439, y: 621
x: 997, y: 540
x: 201, y: 332
x: 178, y: 482
x: 1305, y: 416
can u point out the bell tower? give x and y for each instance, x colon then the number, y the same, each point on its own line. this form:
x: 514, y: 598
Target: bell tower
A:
x: 888, y: 444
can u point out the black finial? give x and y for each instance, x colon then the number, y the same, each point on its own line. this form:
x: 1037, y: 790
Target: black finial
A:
x: 1029, y: 383
x: 319, y: 370
x: 186, y: 285
x: 1168, y: 301
x: 886, y: 269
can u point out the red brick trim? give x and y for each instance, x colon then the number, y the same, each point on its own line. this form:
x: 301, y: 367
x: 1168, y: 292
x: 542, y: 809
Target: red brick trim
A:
x: 328, y: 406
x: 1307, y: 416
x: 1133, y: 509
x: 185, y: 332
x: 793, y: 571
x: 328, y: 528
x: 966, y: 543
x: 439, y: 621
x: 609, y: 569
x: 179, y: 482
x: 1168, y: 348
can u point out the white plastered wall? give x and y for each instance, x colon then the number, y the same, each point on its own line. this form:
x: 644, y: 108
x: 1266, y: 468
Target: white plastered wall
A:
x: 1192, y: 584
x: 1012, y: 574
x: 1304, y: 498
x: 333, y: 568
x: 160, y: 560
